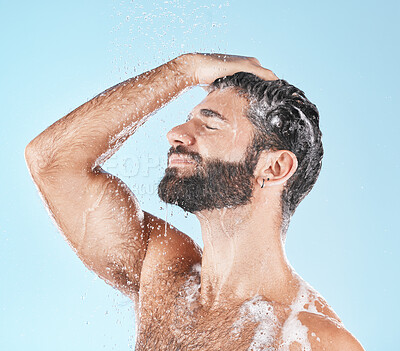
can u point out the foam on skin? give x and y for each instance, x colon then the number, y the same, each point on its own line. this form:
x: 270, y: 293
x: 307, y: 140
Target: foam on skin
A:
x: 291, y: 332
x: 261, y: 312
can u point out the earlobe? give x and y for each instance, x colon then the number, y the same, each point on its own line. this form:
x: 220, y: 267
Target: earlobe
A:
x: 279, y: 166
x: 262, y: 186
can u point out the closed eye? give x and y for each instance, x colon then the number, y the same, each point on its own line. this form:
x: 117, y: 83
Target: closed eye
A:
x: 210, y: 127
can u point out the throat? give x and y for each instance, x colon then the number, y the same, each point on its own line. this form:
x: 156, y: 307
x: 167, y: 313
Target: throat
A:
x: 240, y: 280
x: 243, y: 259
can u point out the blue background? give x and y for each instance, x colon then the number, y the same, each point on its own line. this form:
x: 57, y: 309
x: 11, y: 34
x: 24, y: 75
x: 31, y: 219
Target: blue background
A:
x: 343, y: 239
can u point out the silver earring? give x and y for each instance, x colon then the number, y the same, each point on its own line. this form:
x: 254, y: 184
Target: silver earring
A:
x: 262, y: 186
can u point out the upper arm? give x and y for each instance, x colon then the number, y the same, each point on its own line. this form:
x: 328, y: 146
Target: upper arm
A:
x: 103, y: 222
x: 101, y: 219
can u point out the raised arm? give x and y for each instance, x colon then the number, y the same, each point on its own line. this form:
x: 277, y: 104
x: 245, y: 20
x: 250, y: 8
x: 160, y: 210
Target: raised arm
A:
x: 99, y: 216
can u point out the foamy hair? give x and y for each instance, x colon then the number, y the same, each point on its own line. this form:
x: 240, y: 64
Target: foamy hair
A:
x: 283, y: 119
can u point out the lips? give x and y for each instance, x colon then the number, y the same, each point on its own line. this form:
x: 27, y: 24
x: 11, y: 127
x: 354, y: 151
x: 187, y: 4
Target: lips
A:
x: 180, y: 159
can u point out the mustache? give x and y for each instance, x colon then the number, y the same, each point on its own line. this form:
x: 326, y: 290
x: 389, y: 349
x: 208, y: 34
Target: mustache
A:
x: 181, y: 150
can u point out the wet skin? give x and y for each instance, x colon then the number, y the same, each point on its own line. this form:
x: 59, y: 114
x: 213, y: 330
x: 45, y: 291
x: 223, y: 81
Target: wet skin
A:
x: 185, y: 298
x: 203, y: 309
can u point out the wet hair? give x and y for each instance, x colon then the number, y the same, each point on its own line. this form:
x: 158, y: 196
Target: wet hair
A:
x: 283, y: 119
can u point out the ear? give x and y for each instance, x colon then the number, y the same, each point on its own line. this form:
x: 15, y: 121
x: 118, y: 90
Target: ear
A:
x: 275, y: 167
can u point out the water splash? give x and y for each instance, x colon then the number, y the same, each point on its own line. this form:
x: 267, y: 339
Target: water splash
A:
x: 164, y: 30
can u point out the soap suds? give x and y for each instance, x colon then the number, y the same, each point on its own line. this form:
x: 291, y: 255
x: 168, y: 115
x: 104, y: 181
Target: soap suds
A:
x: 262, y: 312
x: 293, y: 330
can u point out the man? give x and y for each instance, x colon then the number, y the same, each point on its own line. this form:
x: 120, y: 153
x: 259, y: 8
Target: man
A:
x: 244, y: 159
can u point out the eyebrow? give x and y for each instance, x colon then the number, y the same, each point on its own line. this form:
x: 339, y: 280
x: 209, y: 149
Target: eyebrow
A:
x: 205, y: 112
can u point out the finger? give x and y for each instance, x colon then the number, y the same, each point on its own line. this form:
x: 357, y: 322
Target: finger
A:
x: 255, y: 61
x: 272, y: 75
x: 266, y: 74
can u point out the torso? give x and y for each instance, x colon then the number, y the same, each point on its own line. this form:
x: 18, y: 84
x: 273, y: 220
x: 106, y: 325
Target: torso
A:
x: 170, y: 317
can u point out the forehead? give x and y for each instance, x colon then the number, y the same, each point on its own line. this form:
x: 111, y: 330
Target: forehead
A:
x: 227, y: 103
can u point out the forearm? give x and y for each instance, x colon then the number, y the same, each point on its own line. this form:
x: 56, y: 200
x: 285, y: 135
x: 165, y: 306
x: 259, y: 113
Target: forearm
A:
x: 93, y: 132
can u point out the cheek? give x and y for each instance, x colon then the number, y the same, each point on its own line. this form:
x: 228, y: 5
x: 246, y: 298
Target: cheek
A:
x: 233, y: 146
x: 239, y: 148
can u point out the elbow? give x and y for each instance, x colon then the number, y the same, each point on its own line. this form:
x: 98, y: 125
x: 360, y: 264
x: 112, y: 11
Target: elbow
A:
x: 29, y: 152
x: 30, y: 155
x: 33, y: 159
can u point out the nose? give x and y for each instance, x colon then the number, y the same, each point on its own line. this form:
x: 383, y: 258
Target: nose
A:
x: 180, y: 135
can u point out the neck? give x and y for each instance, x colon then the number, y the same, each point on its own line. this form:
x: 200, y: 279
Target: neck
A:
x: 244, y: 255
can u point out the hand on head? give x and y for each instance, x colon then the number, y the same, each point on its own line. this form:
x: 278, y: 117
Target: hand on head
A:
x: 205, y: 68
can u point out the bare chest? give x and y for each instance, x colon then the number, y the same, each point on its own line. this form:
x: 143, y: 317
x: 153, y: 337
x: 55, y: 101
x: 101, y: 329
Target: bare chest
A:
x: 174, y: 320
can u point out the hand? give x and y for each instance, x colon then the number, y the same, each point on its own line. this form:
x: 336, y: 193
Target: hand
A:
x: 205, y: 68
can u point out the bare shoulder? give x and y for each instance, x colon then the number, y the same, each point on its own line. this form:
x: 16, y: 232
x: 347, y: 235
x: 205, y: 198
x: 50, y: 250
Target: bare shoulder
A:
x: 168, y: 248
x: 326, y: 333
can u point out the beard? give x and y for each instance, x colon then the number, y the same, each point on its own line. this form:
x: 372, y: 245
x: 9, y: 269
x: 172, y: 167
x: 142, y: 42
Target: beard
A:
x: 213, y: 184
